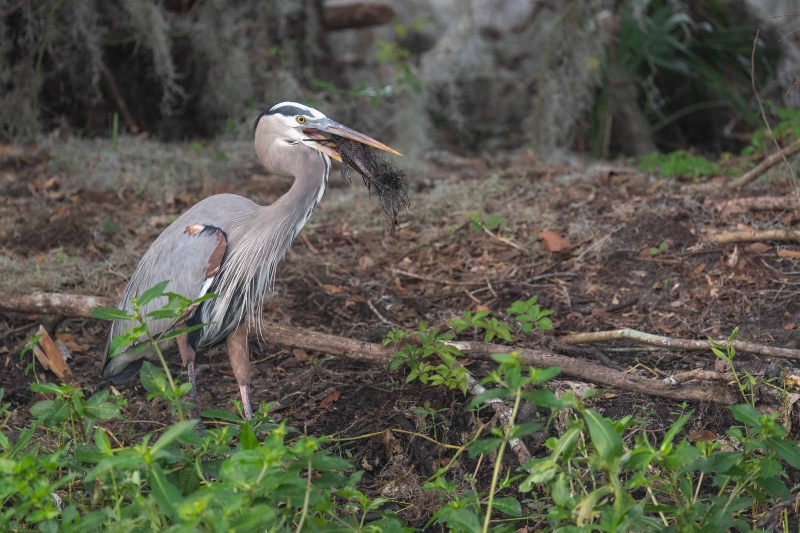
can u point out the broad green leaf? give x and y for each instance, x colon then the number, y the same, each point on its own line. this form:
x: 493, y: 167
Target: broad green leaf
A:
x: 747, y: 414
x: 508, y: 505
x: 489, y: 394
x: 606, y: 440
x: 110, y: 313
x: 171, y: 434
x: 42, y: 409
x: 484, y: 446
x: 461, y: 520
x: 164, y: 313
x: 221, y: 414
x: 47, y: 388
x: 323, y: 462
x: 539, y: 375
x: 153, y: 380
x: 676, y: 427
x: 102, y: 442
x: 523, y: 430
x: 151, y: 294
x: 774, y: 487
x: 786, y: 450
x: 247, y: 438
x: 165, y: 493
x: 203, y: 298
x: 183, y: 331
x: 118, y: 344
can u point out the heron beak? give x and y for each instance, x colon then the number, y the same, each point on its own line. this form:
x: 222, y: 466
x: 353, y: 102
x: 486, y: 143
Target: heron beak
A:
x: 328, y: 148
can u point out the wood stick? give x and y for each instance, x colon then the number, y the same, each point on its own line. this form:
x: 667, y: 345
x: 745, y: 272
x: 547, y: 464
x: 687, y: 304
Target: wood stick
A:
x: 76, y: 305
x: 53, y: 303
x: 768, y: 162
x: 756, y: 203
x: 751, y: 236
x: 343, y: 14
x: 116, y: 94
x: 676, y: 344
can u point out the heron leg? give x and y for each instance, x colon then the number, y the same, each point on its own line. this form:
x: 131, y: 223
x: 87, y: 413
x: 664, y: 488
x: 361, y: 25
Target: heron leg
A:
x: 187, y: 356
x: 239, y: 354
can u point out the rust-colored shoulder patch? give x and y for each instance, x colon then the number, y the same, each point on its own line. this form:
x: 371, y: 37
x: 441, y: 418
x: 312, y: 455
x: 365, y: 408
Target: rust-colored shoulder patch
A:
x: 216, y: 257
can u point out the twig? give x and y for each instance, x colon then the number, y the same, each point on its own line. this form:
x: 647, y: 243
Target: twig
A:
x: 764, y: 115
x: 676, y: 344
x: 753, y: 235
x: 506, y: 241
x: 116, y: 94
x: 434, y: 280
x: 310, y: 246
x: 757, y: 203
x: 768, y: 162
x: 381, y: 317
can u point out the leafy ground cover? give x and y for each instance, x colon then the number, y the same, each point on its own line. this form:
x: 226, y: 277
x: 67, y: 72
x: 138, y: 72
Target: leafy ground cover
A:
x: 351, y: 446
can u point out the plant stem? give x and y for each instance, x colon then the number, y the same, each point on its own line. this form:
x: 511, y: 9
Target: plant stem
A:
x: 166, y: 371
x: 499, y: 462
x: 305, y: 502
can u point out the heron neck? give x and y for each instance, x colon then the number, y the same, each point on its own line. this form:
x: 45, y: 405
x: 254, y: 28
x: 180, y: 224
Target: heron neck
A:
x: 306, y: 192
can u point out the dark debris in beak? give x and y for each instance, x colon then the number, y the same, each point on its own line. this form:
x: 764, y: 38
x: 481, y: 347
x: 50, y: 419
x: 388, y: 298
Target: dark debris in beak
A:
x: 387, y: 181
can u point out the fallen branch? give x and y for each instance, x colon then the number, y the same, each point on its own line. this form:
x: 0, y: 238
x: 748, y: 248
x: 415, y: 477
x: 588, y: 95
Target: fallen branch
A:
x: 53, y: 303
x: 676, y: 344
x: 343, y: 14
x: 116, y: 94
x: 756, y: 203
x: 76, y: 305
x: 753, y: 235
x: 768, y: 162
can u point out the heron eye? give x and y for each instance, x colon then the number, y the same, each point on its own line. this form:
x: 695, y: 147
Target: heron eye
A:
x: 301, y: 119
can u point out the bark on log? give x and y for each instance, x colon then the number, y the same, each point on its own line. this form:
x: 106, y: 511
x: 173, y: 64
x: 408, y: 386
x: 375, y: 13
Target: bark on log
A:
x: 755, y: 236
x: 343, y: 14
x: 53, y: 303
x: 711, y: 391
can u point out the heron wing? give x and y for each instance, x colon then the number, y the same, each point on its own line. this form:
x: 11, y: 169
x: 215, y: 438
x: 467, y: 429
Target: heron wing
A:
x: 188, y: 254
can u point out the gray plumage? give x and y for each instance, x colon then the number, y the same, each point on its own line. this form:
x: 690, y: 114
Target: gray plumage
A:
x: 230, y: 246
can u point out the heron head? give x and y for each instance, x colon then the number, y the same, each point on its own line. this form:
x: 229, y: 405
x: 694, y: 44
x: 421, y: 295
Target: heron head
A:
x: 297, y: 124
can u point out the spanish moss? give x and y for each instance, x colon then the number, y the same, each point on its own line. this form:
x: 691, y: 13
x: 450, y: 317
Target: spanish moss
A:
x: 387, y: 181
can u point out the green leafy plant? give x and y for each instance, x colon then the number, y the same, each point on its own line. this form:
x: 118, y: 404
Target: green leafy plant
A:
x: 679, y: 163
x: 444, y: 369
x: 681, y: 66
x: 663, y: 247
x: 529, y: 313
x: 480, y: 222
x: 787, y: 129
x: 175, y: 308
x: 594, y: 480
x: 745, y: 381
x: 27, y: 351
x: 492, y: 327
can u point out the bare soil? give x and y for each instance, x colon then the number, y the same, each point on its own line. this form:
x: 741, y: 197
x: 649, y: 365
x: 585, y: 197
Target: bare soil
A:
x: 345, y: 276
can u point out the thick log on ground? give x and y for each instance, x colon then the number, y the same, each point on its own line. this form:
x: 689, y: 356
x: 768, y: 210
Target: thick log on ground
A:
x: 343, y: 14
x: 53, y: 303
x: 712, y: 387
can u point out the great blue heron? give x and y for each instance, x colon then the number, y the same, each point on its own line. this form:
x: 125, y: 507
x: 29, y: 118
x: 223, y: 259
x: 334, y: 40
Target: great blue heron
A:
x: 230, y: 246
